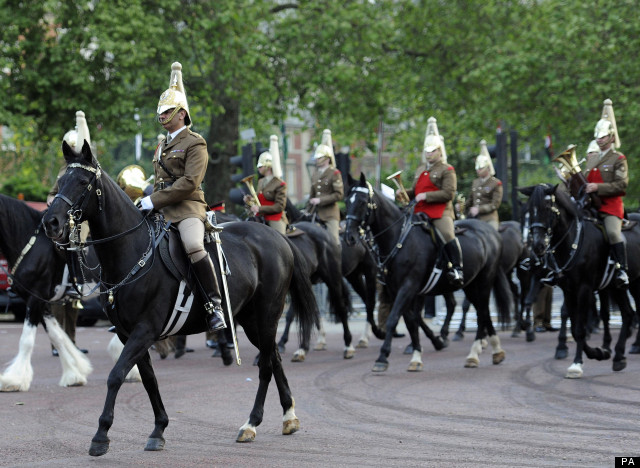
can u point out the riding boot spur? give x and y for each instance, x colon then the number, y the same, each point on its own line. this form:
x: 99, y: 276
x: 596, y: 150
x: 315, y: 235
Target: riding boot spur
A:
x: 454, y: 268
x: 619, y: 256
x: 213, y: 305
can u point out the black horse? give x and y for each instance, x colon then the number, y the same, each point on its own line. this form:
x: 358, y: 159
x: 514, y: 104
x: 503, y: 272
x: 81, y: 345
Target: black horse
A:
x: 139, y: 291
x: 513, y: 252
x: 409, y: 257
x: 574, y: 246
x: 357, y: 266
x: 36, y: 268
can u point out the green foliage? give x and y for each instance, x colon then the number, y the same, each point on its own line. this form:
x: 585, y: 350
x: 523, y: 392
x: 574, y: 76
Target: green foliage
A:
x: 25, y: 184
x: 534, y: 67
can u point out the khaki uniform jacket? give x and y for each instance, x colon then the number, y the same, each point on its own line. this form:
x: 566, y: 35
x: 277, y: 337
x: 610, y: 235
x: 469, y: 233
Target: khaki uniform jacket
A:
x: 487, y: 196
x: 274, y: 190
x: 328, y: 187
x: 445, y: 179
x: 186, y: 158
x: 613, y: 169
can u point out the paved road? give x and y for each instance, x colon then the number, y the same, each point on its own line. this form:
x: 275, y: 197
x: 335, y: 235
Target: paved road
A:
x: 520, y: 413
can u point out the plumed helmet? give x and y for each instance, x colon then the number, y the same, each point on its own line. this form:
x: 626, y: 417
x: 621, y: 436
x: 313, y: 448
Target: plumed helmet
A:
x: 433, y: 140
x: 175, y: 96
x: 274, y: 150
x: 71, y: 137
x: 265, y: 160
x: 82, y: 130
x: 484, y: 158
x: 593, y: 147
x: 326, y: 147
x: 607, y: 123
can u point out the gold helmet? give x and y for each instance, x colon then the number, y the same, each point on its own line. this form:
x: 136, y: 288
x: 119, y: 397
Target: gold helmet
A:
x: 433, y: 140
x: 593, y: 147
x: 175, y: 96
x: 325, y: 148
x: 484, y: 159
x: 607, y: 123
x: 133, y: 181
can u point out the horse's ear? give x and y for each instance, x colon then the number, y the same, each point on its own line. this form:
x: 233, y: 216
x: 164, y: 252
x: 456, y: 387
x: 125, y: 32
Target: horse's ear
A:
x: 67, y: 152
x: 86, y: 152
x: 526, y: 190
x: 363, y: 180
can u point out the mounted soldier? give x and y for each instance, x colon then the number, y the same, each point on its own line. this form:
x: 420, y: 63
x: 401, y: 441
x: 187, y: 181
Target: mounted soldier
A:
x: 327, y: 187
x: 434, y: 188
x: 486, y: 190
x: 608, y: 177
x: 271, y: 199
x: 180, y: 163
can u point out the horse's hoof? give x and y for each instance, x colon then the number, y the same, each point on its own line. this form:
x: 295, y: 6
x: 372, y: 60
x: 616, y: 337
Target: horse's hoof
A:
x: 635, y: 349
x: 531, y: 336
x: 154, y: 444
x: 415, y: 367
x: 98, y: 448
x: 438, y: 344
x: 484, y: 343
x: 290, y: 426
x: 362, y: 344
x: 320, y: 347
x: 349, y: 353
x: 227, y: 359
x: 619, y: 365
x: 458, y: 336
x: 297, y: 358
x: 472, y: 363
x: 498, y: 357
x: 380, y: 366
x: 408, y: 349
x: 445, y: 342
x: 561, y: 354
x: 574, y: 371
x: 246, y: 435
x: 606, y: 353
x: 256, y: 360
x: 10, y: 388
x: 281, y: 348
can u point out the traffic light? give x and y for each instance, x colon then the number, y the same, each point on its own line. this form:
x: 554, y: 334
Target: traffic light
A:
x: 343, y: 163
x: 245, y: 162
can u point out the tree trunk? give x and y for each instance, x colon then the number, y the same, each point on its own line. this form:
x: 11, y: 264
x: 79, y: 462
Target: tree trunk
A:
x: 222, y: 143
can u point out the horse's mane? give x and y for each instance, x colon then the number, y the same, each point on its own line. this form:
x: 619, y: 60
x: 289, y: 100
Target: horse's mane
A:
x: 566, y: 202
x: 19, y: 222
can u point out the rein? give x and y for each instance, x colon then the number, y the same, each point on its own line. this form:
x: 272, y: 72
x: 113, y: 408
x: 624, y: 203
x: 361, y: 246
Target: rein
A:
x: 550, y: 261
x: 381, y: 261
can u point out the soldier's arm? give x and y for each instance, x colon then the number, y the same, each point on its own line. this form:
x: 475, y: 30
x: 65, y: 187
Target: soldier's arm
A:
x: 448, y: 189
x: 620, y: 180
x: 496, y: 200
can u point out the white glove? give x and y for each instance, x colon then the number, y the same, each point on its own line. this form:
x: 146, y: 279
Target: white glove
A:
x: 146, y: 203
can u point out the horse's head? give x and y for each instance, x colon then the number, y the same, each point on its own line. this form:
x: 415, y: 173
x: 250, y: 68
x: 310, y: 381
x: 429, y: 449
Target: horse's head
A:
x: 541, y: 216
x: 79, y: 193
x: 359, y: 204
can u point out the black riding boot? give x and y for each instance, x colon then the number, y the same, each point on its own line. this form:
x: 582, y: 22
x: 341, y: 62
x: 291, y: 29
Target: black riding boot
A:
x: 619, y: 256
x: 207, y: 276
x: 454, y: 268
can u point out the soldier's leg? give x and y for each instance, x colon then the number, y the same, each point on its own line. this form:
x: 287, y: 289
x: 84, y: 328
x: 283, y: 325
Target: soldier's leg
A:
x: 452, y: 248
x: 613, y: 225
x: 192, y: 236
x: 333, y: 226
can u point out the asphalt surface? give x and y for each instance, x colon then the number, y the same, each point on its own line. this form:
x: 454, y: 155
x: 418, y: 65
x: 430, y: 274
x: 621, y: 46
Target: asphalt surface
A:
x: 522, y: 412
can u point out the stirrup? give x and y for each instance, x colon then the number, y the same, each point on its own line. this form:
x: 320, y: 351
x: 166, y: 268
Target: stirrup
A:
x: 215, y: 317
x: 455, y: 277
x: 621, y: 280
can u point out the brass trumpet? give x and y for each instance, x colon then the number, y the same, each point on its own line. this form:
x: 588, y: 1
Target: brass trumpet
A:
x: 576, y: 179
x: 248, y: 181
x: 403, y: 198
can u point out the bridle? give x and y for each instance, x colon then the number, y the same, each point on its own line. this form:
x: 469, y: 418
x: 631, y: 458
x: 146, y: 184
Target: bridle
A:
x: 75, y: 213
x: 548, y: 256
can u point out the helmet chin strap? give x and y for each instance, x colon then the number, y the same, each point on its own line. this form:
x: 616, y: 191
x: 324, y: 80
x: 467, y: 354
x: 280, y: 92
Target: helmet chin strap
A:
x: 171, y: 116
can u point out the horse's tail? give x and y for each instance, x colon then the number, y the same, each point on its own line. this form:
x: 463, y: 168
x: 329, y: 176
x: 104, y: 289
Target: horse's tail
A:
x: 303, y: 301
x: 503, y: 297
